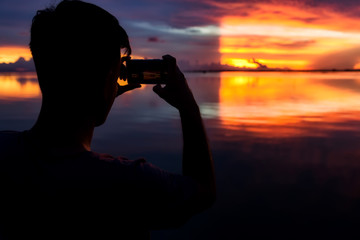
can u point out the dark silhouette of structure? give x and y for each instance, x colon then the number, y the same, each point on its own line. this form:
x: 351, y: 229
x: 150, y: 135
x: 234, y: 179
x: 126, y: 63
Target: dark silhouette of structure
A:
x: 52, y: 185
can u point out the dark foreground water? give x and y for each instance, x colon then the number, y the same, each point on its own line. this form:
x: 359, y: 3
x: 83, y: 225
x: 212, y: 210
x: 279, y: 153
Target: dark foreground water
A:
x: 286, y: 148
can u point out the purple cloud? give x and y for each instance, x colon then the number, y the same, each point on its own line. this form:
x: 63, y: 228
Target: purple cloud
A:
x: 155, y: 40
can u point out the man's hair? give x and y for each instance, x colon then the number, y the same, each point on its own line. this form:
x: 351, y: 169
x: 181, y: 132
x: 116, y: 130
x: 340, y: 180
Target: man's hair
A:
x: 75, y: 40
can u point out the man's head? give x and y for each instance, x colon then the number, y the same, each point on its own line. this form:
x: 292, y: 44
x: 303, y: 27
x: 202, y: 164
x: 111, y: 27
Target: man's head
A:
x: 76, y: 48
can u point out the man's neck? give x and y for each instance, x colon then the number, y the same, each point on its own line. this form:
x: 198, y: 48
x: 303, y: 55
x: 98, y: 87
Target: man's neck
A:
x: 64, y: 134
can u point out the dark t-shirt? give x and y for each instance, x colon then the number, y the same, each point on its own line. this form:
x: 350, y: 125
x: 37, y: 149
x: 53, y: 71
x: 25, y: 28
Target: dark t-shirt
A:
x: 47, y: 195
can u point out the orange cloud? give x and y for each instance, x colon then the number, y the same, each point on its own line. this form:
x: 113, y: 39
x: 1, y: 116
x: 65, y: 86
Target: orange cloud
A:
x: 9, y: 54
x: 342, y: 59
x: 290, y: 13
x: 286, y: 36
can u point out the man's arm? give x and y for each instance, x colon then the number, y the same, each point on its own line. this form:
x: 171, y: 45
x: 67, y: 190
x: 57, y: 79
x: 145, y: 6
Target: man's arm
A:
x: 197, y: 159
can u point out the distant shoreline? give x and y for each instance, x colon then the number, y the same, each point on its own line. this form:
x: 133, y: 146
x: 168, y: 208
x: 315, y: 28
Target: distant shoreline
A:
x: 18, y: 72
x: 240, y: 70
x: 23, y: 66
x: 273, y: 70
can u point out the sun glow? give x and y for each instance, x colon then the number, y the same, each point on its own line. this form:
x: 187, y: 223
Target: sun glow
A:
x: 18, y: 86
x: 243, y: 63
x: 288, y: 37
x: 10, y: 54
x: 279, y: 100
x: 357, y: 66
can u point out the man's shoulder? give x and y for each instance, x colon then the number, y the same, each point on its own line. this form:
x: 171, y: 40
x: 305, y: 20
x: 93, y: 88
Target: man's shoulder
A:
x: 9, y: 140
x: 106, y: 165
x: 110, y: 159
x: 8, y: 135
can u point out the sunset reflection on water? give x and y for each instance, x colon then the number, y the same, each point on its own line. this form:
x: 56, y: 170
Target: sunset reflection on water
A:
x: 282, y: 104
x: 238, y: 104
x: 238, y: 98
x: 285, y: 146
x: 19, y: 86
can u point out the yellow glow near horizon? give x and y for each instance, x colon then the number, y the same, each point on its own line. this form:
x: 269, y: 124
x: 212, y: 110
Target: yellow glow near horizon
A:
x: 294, y: 64
x: 270, y: 63
x: 11, y: 88
x: 292, y: 37
x: 239, y: 63
x: 277, y: 99
x: 10, y: 54
x: 357, y: 66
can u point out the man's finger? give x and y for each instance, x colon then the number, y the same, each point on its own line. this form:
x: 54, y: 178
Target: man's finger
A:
x: 158, y: 89
x: 170, y: 62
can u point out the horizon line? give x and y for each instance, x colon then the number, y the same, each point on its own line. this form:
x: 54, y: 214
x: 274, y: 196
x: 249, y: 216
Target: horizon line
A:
x: 239, y: 70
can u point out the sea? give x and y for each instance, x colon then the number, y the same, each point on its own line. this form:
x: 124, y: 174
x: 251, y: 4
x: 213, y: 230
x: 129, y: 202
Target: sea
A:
x: 286, y: 148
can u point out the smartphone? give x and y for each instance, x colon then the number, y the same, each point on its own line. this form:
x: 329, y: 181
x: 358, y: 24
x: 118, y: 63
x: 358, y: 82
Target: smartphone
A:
x: 148, y: 71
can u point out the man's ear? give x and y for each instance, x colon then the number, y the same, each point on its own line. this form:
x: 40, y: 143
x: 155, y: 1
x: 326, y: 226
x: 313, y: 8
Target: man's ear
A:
x: 123, y: 69
x: 114, y: 73
x: 123, y: 73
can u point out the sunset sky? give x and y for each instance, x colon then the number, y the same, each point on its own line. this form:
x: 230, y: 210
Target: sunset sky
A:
x: 309, y: 34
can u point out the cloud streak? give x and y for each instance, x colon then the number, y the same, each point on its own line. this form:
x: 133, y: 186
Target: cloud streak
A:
x: 21, y: 65
x: 344, y: 59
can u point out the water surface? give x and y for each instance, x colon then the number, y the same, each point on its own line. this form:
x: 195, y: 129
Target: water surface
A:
x: 286, y: 147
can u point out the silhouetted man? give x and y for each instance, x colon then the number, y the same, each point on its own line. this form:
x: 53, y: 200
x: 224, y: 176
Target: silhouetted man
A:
x: 52, y: 185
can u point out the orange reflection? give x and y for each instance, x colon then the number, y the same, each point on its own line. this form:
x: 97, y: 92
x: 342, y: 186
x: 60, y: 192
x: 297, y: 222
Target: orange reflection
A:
x: 11, y: 54
x: 19, y: 86
x: 286, y: 104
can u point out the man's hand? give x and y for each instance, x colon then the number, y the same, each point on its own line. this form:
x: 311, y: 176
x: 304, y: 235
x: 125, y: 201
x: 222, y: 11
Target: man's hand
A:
x: 197, y: 160
x: 122, y: 76
x: 176, y: 92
